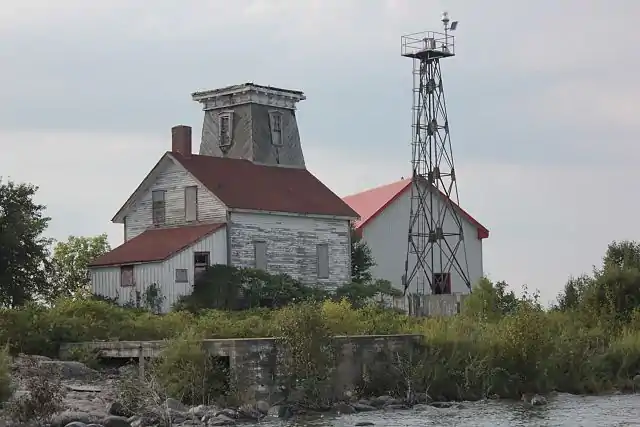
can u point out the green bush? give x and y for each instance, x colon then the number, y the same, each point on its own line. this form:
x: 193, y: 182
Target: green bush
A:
x: 492, y: 348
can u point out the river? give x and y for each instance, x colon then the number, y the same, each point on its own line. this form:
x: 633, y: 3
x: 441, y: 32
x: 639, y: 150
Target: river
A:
x: 562, y: 410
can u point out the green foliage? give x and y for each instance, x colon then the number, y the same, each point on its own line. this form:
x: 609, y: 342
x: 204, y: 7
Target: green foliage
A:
x: 24, y: 252
x: 6, y: 389
x: 361, y: 259
x: 152, y: 298
x: 612, y: 293
x: 230, y: 288
x: 70, y: 260
x: 361, y: 293
x: 187, y: 372
x: 308, y: 353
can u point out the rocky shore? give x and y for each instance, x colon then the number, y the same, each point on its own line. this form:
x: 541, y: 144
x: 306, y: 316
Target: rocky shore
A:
x: 90, y: 399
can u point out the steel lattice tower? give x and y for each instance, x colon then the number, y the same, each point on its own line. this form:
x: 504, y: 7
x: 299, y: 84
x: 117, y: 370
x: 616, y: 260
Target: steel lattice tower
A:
x: 435, y: 238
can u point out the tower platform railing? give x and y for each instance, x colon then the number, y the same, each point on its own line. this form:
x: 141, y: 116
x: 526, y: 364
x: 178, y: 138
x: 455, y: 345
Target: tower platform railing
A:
x: 427, y: 45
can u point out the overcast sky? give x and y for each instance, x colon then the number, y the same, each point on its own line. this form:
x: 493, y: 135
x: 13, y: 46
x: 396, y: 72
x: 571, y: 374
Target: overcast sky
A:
x: 542, y: 100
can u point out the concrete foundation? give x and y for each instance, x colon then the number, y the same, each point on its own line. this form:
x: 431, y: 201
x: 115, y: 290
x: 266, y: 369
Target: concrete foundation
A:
x: 258, y: 361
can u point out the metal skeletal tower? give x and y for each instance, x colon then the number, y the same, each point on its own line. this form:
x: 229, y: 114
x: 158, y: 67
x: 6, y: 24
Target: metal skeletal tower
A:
x: 436, y: 253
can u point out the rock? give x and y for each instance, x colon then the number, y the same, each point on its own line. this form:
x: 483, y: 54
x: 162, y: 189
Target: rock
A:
x: 221, y: 420
x: 175, y: 405
x: 230, y: 413
x: 118, y: 409
x: 396, y: 407
x: 281, y: 411
x: 115, y: 421
x: 422, y: 398
x: 362, y: 407
x: 343, y: 408
x: 262, y: 406
x: 250, y: 412
x: 538, y: 400
x: 76, y: 424
x: 199, y: 411
x: 442, y: 405
x: 65, y: 418
x: 364, y: 423
x: 69, y: 369
x: 94, y: 425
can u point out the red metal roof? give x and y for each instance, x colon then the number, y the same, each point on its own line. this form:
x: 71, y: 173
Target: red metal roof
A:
x: 242, y: 184
x: 155, y: 245
x: 372, y: 202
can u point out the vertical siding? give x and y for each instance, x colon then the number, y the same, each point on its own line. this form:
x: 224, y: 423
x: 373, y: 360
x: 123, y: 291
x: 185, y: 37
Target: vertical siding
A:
x: 173, y: 179
x: 106, y: 280
x: 386, y: 235
x: 291, y: 245
x: 215, y: 244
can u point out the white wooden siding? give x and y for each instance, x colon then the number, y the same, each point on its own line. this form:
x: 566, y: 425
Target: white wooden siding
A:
x: 291, y: 245
x: 173, y: 179
x: 106, y: 280
x: 386, y: 236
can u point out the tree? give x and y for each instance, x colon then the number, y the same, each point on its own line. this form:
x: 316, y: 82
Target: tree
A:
x: 24, y: 252
x: 70, y: 263
x: 361, y: 259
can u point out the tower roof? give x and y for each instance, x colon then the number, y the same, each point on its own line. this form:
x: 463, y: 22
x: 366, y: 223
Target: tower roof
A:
x: 370, y: 203
x: 248, y: 93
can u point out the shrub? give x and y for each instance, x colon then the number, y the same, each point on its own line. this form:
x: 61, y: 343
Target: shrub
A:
x: 6, y: 389
x: 45, y: 393
x: 187, y: 372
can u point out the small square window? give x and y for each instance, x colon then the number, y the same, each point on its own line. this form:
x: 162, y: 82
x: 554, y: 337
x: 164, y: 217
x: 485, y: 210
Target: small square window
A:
x: 126, y: 276
x: 181, y: 275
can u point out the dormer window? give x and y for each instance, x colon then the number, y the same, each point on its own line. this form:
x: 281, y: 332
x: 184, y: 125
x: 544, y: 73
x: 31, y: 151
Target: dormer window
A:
x: 225, y: 128
x: 275, y: 118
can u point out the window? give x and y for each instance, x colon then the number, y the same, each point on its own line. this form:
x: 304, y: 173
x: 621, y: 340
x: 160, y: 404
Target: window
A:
x: 441, y: 283
x: 181, y: 275
x: 260, y: 255
x: 225, y: 128
x: 323, y: 261
x: 158, y: 206
x: 275, y: 118
x: 200, y: 263
x: 126, y: 275
x: 191, y: 203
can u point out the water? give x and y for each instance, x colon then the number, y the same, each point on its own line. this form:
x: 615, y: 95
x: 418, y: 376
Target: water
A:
x: 562, y: 410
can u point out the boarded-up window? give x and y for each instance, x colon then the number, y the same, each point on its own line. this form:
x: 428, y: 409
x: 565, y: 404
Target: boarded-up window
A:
x: 181, y: 275
x: 200, y: 263
x: 276, y: 127
x: 441, y: 283
x: 191, y: 203
x: 323, y: 261
x: 158, y: 206
x: 260, y: 249
x: 126, y: 275
x: 225, y: 123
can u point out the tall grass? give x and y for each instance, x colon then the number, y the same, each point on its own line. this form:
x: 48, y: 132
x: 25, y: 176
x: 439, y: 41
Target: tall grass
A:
x: 467, y: 356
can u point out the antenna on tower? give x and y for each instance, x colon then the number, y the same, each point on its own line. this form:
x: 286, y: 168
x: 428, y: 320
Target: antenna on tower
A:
x: 436, y: 261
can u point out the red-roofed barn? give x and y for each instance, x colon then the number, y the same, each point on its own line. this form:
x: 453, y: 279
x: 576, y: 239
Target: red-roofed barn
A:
x: 384, y: 224
x: 246, y: 200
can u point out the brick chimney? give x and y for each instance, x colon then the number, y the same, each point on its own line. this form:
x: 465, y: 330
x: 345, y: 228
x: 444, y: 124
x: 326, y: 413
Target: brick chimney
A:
x: 181, y: 140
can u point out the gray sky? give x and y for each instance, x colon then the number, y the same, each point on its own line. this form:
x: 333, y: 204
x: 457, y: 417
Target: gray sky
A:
x: 542, y: 101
